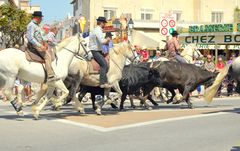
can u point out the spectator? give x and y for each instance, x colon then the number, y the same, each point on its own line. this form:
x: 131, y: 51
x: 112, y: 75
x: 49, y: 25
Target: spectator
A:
x: 209, y: 65
x: 220, y: 65
x: 144, y: 53
x: 157, y: 55
x: 107, y: 47
x: 199, y: 63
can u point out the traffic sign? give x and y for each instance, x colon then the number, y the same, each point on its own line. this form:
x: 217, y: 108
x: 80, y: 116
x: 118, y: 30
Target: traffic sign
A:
x: 171, y: 30
x: 167, y: 23
x: 164, y: 23
x: 172, y: 23
x: 164, y: 31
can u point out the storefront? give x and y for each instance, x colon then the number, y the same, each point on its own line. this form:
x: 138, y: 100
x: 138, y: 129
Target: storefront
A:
x: 215, y: 39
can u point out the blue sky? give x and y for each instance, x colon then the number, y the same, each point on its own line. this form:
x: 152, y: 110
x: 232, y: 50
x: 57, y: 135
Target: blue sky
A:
x: 54, y: 9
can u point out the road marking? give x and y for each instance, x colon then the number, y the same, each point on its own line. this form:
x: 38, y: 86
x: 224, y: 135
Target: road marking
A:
x: 102, y: 129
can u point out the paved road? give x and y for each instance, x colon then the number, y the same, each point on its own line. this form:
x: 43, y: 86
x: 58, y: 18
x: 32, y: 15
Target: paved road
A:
x: 214, y: 127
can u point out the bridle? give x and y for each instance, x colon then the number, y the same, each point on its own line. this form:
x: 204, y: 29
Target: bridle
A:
x: 76, y: 54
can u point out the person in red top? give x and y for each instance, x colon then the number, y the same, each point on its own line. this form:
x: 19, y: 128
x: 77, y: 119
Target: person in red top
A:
x: 144, y: 53
x: 220, y: 65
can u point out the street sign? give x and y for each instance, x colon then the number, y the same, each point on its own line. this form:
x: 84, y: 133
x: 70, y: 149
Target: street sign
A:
x: 167, y: 23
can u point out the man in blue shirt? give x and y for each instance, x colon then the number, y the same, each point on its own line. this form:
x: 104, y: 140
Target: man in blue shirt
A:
x: 36, y: 43
x: 107, y: 47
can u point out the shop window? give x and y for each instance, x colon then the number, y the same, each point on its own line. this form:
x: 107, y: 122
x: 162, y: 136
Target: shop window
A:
x: 109, y: 13
x: 217, y: 17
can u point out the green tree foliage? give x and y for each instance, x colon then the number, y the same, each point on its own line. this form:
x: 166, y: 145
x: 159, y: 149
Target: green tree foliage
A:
x: 13, y: 25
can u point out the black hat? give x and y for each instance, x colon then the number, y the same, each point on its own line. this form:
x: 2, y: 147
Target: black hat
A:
x: 175, y: 33
x: 102, y: 19
x: 109, y: 34
x: 37, y: 13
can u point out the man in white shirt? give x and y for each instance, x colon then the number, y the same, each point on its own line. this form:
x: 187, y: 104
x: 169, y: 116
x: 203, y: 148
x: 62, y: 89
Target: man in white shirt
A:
x: 96, y: 40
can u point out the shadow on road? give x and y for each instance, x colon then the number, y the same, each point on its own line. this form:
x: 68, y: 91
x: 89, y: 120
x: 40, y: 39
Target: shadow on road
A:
x: 235, y: 148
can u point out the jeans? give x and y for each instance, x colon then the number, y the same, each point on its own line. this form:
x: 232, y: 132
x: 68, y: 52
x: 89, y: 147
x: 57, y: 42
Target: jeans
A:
x: 97, y: 55
x: 180, y: 59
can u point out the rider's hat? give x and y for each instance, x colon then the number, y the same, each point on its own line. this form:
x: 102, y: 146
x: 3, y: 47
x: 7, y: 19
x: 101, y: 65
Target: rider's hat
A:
x: 102, y: 19
x: 175, y: 33
x: 37, y: 14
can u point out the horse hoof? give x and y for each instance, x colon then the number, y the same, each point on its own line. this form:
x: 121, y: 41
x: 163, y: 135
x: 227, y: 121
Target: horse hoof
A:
x: 98, y: 111
x: 82, y: 111
x: 20, y: 113
x: 149, y: 108
x: 36, y: 112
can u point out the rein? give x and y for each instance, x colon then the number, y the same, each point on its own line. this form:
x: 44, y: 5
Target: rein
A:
x: 76, y: 54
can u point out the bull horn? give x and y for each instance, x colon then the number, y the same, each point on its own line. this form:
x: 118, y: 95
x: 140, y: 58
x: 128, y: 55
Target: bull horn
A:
x: 212, y: 90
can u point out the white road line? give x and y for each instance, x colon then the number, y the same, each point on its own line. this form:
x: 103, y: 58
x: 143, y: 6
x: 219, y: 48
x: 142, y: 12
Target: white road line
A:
x: 102, y: 129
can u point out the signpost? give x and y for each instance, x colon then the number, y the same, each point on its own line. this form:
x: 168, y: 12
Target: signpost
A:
x: 167, y: 23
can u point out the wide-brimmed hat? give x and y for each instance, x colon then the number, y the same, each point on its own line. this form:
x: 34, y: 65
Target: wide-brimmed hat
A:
x: 102, y: 19
x: 109, y: 34
x: 37, y: 14
x: 175, y: 33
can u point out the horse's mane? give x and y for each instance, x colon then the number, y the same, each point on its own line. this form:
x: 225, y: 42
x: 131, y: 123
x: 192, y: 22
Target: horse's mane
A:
x: 187, y: 50
x: 119, y: 48
x: 63, y: 43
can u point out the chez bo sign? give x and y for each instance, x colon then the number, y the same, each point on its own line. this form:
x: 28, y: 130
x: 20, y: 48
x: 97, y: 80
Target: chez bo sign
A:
x: 212, y: 34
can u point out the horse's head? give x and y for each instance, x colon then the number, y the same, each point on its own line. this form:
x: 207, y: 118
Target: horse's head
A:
x: 191, y: 52
x: 77, y: 46
x: 125, y: 49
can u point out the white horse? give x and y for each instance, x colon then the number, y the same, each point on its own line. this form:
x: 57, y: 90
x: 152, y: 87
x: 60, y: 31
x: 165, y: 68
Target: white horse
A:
x: 13, y: 64
x: 117, y: 58
x: 190, y: 52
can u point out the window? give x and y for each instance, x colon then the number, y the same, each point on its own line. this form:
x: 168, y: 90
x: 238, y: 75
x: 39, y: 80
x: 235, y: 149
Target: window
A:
x: 127, y: 15
x: 109, y: 13
x: 178, y: 15
x: 147, y: 14
x: 217, y: 17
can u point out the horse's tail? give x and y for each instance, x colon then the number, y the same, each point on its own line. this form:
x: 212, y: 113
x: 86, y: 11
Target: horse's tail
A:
x: 2, y: 80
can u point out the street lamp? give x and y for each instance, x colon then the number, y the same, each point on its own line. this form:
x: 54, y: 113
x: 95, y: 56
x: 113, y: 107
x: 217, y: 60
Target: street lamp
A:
x: 130, y: 24
x: 116, y: 24
x: 130, y: 27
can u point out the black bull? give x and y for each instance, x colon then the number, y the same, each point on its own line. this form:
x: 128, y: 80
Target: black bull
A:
x: 184, y: 77
x: 171, y: 75
x: 135, y: 78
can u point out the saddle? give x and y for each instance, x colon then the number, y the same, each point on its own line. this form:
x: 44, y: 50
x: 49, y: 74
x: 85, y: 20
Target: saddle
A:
x: 94, y: 67
x: 33, y: 55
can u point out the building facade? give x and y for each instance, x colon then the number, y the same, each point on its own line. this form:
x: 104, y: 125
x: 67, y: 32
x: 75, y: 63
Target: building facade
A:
x: 146, y: 13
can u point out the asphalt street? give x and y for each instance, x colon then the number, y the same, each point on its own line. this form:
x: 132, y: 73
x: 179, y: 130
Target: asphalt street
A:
x: 217, y: 129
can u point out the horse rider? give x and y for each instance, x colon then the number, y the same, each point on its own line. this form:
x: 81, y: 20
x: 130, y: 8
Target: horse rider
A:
x: 37, y: 43
x: 96, y: 40
x: 173, y: 46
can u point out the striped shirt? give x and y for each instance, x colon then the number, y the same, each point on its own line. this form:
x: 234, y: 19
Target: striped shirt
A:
x: 34, y: 34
